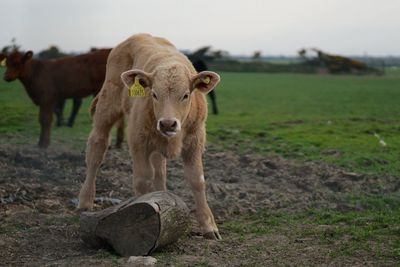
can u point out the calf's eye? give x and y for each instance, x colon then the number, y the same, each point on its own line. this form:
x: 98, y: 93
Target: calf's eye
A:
x: 185, y: 96
x: 154, y: 95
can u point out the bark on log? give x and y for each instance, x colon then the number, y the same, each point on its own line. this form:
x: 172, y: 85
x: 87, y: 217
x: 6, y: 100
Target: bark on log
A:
x: 138, y: 226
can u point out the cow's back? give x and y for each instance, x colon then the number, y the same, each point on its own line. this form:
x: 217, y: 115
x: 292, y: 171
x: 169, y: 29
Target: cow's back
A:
x: 96, y: 62
x: 145, y: 52
x: 79, y: 76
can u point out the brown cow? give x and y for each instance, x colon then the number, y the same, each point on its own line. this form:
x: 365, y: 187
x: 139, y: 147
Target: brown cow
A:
x: 48, y: 82
x: 168, y: 121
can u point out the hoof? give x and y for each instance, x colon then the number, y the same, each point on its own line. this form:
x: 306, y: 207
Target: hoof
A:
x: 118, y: 145
x: 212, y: 235
x: 43, y: 146
x: 82, y: 210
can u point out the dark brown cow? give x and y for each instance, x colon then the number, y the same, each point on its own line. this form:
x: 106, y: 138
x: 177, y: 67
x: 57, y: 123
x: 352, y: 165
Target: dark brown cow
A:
x: 48, y: 82
x: 76, y: 105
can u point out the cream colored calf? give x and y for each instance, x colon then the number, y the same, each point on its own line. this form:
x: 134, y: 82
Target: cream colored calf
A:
x: 167, y: 121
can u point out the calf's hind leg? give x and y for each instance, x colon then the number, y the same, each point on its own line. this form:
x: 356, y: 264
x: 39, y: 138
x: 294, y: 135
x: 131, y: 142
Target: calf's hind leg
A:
x: 103, y: 119
x: 120, y: 132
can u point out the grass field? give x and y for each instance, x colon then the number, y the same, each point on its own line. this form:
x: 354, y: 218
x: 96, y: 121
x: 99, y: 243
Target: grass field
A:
x: 328, y: 118
x: 349, y: 121
x: 335, y: 119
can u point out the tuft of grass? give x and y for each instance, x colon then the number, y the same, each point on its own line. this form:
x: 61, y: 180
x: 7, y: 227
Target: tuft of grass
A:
x: 74, y: 219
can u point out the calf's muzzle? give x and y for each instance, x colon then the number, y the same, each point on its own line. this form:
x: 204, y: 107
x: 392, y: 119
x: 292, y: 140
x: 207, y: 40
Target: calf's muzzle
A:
x: 168, y: 127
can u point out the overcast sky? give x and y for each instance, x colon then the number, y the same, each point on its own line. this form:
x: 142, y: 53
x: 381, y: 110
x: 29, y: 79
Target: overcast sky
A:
x: 350, y: 27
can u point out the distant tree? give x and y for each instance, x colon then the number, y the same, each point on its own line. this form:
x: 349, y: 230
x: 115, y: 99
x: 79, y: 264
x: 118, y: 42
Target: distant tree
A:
x: 201, y: 52
x: 205, y: 53
x: 256, y: 55
x: 51, y: 53
x: 11, y: 47
x: 220, y: 54
x: 302, y: 53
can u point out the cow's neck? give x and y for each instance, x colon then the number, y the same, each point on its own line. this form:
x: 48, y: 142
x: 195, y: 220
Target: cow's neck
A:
x: 29, y: 75
x: 26, y: 77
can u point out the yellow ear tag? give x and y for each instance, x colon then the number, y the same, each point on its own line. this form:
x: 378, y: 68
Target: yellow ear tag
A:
x: 206, y: 80
x: 136, y: 89
x: 3, y: 63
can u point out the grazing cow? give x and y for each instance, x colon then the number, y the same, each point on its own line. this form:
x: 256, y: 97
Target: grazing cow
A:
x: 166, y: 112
x: 48, y: 82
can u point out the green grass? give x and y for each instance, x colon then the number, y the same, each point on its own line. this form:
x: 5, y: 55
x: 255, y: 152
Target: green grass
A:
x: 372, y: 230
x: 306, y: 117
x: 311, y: 117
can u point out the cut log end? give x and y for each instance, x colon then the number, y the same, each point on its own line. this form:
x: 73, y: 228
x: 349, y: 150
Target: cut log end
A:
x: 138, y: 226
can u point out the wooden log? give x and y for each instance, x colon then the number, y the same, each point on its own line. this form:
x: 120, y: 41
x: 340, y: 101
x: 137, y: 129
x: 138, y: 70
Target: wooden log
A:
x: 137, y: 226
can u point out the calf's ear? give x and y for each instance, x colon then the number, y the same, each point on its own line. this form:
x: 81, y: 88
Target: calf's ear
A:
x: 205, y: 81
x: 28, y: 55
x: 128, y: 78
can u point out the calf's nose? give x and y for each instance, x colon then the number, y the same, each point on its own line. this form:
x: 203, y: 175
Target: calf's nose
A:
x: 168, y: 125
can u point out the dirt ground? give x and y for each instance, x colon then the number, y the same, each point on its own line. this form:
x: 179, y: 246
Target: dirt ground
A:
x: 39, y: 224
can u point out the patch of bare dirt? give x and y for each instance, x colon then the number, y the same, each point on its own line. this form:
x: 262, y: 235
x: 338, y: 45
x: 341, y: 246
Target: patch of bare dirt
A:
x: 38, y: 190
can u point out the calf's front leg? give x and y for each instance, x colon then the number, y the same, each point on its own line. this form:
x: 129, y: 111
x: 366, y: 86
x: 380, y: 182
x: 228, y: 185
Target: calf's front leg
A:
x: 193, y: 172
x: 159, y: 165
x: 103, y: 120
x: 142, y: 173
